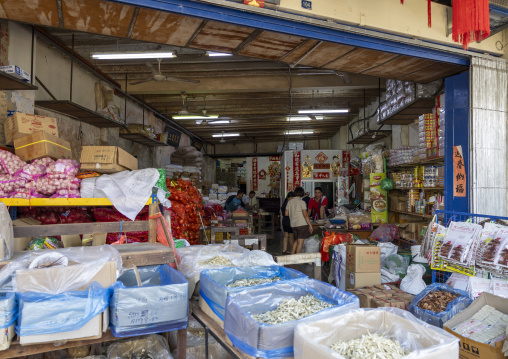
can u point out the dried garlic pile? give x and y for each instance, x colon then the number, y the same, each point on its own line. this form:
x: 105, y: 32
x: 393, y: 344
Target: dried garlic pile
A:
x: 248, y: 282
x: 370, y: 346
x: 217, y: 261
x: 292, y: 309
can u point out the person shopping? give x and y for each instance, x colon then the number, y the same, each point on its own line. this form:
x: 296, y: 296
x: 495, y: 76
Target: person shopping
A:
x: 299, y: 219
x: 286, y: 226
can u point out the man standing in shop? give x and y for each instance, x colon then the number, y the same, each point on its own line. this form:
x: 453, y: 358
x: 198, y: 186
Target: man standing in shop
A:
x: 299, y: 219
x: 317, y: 205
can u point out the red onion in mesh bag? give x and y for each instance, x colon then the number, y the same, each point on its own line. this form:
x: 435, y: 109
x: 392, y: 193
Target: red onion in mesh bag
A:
x: 64, y: 193
x: 45, y: 161
x: 10, y: 163
x: 63, y: 168
x: 27, y: 194
x: 49, y: 185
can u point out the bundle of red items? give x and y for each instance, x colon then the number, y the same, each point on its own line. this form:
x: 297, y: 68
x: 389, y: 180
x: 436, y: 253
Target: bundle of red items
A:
x: 55, y: 215
x: 112, y: 215
x: 333, y: 239
x: 186, y: 202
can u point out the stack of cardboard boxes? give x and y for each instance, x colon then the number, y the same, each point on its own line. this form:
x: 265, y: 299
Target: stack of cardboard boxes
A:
x: 412, y: 230
x: 363, y: 266
x: 384, y: 295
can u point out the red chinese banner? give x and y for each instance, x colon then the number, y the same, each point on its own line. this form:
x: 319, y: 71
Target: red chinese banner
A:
x: 297, y: 169
x: 275, y: 158
x: 321, y: 175
x: 459, y: 173
x: 346, y: 158
x: 321, y: 166
x: 255, y: 174
x: 287, y: 179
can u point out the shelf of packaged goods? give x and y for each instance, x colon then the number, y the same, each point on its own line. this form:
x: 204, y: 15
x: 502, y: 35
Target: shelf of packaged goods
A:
x: 424, y: 188
x: 428, y: 161
x: 370, y: 137
x: 57, y: 202
x: 413, y: 214
x: 9, y: 83
x: 408, y: 113
x: 142, y: 139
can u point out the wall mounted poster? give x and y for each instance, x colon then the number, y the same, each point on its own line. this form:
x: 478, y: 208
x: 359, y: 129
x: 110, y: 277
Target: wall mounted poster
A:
x: 379, y: 213
x: 459, y: 173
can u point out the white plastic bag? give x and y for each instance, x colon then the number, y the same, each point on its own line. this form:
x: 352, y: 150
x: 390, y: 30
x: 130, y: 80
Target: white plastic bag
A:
x: 311, y: 245
x: 6, y: 234
x: 413, y: 282
x: 387, y: 277
x: 387, y: 249
x: 339, y: 260
x: 313, y: 340
x: 88, y: 189
x: 129, y: 190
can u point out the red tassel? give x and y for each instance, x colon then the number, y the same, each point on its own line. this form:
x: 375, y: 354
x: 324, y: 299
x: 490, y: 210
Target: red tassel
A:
x: 470, y: 21
x: 402, y: 1
x: 429, y: 12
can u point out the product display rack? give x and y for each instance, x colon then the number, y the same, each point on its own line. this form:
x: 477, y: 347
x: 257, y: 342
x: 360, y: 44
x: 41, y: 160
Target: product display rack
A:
x: 142, y: 139
x: 423, y: 188
x: 10, y: 83
x: 406, y: 114
x: 429, y: 161
x: 370, y: 137
x: 57, y: 202
x: 413, y: 214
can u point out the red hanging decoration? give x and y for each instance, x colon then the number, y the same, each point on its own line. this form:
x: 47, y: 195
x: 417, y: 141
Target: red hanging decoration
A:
x: 402, y: 1
x: 429, y: 12
x: 470, y: 21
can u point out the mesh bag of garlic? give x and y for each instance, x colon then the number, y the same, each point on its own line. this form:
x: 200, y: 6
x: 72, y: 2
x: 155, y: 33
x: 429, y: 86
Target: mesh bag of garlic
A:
x: 394, y: 333
x: 310, y: 299
x: 216, y: 284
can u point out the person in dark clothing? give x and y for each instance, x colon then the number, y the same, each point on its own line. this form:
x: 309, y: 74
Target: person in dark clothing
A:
x: 234, y: 202
x: 286, y: 226
x: 306, y: 199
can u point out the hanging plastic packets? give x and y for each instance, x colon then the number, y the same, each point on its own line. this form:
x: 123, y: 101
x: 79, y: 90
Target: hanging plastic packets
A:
x: 153, y: 300
x: 460, y: 302
x: 494, y: 253
x: 489, y: 231
x: 459, y: 242
x: 276, y: 341
x: 216, y: 284
x: 8, y: 316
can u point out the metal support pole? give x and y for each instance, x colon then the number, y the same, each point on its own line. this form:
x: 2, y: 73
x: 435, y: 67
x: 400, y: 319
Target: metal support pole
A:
x: 125, y: 105
x: 206, y: 342
x: 72, y: 67
x: 32, y: 61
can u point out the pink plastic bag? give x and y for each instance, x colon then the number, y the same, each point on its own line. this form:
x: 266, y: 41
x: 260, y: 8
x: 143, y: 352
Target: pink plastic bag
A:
x: 385, y: 233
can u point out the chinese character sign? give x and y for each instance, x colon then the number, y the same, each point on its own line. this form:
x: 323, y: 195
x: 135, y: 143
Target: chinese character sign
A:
x: 275, y: 158
x: 255, y: 174
x: 459, y: 173
x: 297, y: 170
x: 321, y: 175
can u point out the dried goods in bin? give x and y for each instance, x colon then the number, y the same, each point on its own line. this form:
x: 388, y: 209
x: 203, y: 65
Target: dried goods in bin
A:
x: 436, y: 301
x: 370, y: 346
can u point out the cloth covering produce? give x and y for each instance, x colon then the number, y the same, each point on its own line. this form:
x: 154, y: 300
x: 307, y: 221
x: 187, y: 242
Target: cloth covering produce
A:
x: 276, y: 341
x: 186, y: 205
x: 424, y: 341
x: 438, y: 319
x: 213, y: 283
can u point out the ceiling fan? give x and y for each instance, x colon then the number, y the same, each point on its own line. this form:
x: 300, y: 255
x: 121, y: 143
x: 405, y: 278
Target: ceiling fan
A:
x: 159, y: 77
x: 185, y: 112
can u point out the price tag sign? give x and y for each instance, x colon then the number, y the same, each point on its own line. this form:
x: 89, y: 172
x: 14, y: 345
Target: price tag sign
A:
x: 174, y: 137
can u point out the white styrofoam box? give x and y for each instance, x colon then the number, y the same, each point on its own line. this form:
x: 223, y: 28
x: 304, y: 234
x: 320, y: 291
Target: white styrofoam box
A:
x: 223, y: 189
x: 16, y: 72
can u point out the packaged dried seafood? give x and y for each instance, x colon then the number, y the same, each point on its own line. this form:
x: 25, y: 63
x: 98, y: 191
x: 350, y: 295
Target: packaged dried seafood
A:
x: 215, y: 284
x: 370, y: 346
x: 373, y: 326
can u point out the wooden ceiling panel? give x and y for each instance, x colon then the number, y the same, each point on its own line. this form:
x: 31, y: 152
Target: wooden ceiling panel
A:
x: 42, y: 12
x: 360, y: 60
x: 218, y: 36
x: 271, y: 45
x: 297, y: 52
x: 96, y: 16
x: 325, y: 53
x: 398, y: 67
x: 164, y: 27
x: 436, y: 71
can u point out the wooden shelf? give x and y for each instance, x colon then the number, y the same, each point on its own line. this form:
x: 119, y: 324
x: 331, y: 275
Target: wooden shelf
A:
x: 428, y: 161
x: 58, y: 202
x: 142, y: 139
x: 79, y: 112
x: 413, y: 214
x: 367, y: 139
x: 9, y: 83
x: 410, y: 112
x: 424, y: 188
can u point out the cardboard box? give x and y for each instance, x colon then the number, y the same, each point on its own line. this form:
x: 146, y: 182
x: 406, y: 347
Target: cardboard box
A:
x: 471, y: 349
x: 22, y: 124
x: 389, y: 302
x: 16, y: 72
x: 368, y: 297
x: 359, y: 280
x: 107, y: 159
x: 363, y: 258
x: 42, y: 144
x: 95, y: 239
x: 21, y: 243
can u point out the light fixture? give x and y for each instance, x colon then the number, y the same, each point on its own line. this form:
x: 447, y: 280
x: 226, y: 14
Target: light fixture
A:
x: 319, y: 118
x: 225, y: 135
x: 220, y: 122
x: 299, y: 132
x: 132, y: 55
x: 194, y: 117
x: 337, y: 110
x: 217, y: 54
x: 298, y: 118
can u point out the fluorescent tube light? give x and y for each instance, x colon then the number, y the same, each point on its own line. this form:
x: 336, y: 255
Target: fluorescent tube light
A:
x: 217, y: 54
x: 220, y: 122
x: 337, y: 110
x: 298, y: 118
x: 299, y: 132
x: 319, y: 118
x: 225, y: 135
x: 194, y: 117
x: 133, y: 55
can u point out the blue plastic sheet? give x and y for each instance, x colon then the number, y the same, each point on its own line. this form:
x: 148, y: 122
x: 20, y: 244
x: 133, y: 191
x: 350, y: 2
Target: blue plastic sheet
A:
x: 438, y: 319
x: 8, y: 309
x: 159, y: 305
x: 213, y: 282
x: 41, y: 313
x: 276, y: 341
